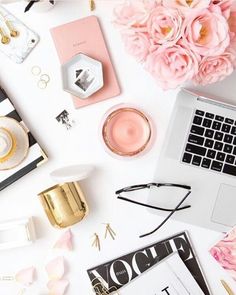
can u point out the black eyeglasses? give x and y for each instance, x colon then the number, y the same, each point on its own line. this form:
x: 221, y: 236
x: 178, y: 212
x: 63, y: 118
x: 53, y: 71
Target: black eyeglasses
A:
x: 156, y: 185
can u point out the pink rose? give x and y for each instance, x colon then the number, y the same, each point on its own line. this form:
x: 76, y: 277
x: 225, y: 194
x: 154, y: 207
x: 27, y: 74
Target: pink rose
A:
x: 172, y: 66
x: 164, y: 26
x: 215, y: 68
x: 206, y: 33
x: 221, y: 6
x: 185, y: 6
x: 133, y: 13
x: 136, y: 44
x: 232, y: 27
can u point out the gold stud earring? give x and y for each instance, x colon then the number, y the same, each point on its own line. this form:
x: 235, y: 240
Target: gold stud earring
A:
x: 109, y: 231
x: 13, y: 32
x: 5, y: 39
x: 92, y: 5
x: 96, y: 242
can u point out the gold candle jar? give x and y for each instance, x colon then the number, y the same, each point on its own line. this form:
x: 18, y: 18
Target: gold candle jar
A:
x: 65, y: 203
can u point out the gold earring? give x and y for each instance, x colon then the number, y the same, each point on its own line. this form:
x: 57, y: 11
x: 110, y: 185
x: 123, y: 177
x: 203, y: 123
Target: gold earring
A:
x: 13, y: 32
x: 110, y: 231
x: 5, y: 39
x: 96, y: 242
x: 92, y: 5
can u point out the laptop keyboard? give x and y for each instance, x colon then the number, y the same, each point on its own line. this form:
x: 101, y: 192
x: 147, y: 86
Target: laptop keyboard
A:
x: 212, y: 143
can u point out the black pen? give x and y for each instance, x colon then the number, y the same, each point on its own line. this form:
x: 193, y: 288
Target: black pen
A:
x: 31, y: 3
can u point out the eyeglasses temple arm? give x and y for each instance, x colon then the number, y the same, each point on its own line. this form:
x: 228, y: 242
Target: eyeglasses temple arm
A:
x: 152, y: 207
x: 165, y: 220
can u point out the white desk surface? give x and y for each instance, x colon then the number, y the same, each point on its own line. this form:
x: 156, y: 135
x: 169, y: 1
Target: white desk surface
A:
x: 82, y: 145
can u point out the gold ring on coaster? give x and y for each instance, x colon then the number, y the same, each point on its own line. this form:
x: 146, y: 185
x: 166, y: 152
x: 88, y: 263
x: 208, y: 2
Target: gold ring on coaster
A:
x: 36, y: 70
x: 45, y: 78
x: 42, y: 84
x: 13, y: 148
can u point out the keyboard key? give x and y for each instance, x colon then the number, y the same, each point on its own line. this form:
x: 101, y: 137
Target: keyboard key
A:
x: 220, y: 156
x: 229, y: 169
x: 225, y: 128
x: 228, y: 138
x: 234, y: 143
x: 206, y: 163
x: 218, y: 146
x: 217, y: 166
x: 229, y: 121
x: 197, y: 120
x: 197, y: 160
x: 219, y: 118
x: 209, y: 133
x: 228, y: 148
x: 187, y: 158
x: 211, y: 154
x: 218, y: 135
x: 230, y: 159
x: 197, y: 130
x: 207, y: 123
x: 196, y: 139
x: 209, y: 143
x: 233, y: 130
x: 216, y: 125
x: 234, y: 151
x: 194, y: 149
x: 209, y: 115
x: 200, y: 113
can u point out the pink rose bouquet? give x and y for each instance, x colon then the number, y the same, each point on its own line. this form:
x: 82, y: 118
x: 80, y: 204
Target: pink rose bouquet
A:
x: 180, y: 40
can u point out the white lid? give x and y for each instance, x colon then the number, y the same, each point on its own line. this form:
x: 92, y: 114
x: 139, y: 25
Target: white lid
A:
x: 71, y: 173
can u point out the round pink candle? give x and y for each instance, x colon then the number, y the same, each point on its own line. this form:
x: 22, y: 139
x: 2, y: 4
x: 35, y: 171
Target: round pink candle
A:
x: 126, y: 131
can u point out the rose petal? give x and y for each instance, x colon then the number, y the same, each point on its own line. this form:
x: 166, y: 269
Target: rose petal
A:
x: 65, y: 241
x: 26, y: 276
x: 57, y: 287
x: 56, y: 268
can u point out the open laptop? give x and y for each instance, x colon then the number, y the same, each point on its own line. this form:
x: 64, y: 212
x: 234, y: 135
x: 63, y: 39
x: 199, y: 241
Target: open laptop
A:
x: 200, y: 150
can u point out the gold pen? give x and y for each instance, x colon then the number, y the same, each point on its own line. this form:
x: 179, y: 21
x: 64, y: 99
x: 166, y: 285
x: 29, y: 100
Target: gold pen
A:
x: 227, y: 288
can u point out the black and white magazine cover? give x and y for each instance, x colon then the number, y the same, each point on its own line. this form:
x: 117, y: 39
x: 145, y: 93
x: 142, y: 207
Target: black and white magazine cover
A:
x: 112, y: 275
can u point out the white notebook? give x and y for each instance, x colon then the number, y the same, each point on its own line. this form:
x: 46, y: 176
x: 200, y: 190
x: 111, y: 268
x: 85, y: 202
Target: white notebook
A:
x: 169, y: 277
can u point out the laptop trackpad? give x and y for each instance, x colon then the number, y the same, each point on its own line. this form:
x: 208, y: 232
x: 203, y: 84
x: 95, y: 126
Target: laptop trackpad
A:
x: 225, y: 206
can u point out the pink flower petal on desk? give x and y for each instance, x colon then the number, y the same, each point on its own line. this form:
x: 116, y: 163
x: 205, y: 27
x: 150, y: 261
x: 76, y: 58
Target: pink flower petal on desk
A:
x: 56, y: 268
x: 26, y: 276
x: 57, y: 287
x: 65, y: 241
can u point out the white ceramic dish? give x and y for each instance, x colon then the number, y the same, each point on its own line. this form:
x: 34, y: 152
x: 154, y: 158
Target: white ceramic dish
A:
x: 82, y: 76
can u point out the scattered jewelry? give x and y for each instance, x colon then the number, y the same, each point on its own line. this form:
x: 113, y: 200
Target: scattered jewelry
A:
x: 65, y: 120
x: 42, y: 84
x: 92, y: 5
x: 5, y: 39
x: 96, y: 242
x: 110, y: 231
x: 36, y: 70
x: 13, y: 32
x: 44, y: 78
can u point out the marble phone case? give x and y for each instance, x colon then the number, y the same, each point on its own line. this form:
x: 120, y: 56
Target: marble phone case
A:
x: 19, y: 47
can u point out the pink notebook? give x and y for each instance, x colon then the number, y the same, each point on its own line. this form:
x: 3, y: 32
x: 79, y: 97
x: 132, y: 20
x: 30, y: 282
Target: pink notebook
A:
x: 85, y: 36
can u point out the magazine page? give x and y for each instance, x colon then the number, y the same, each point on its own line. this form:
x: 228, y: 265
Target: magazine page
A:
x: 118, y: 272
